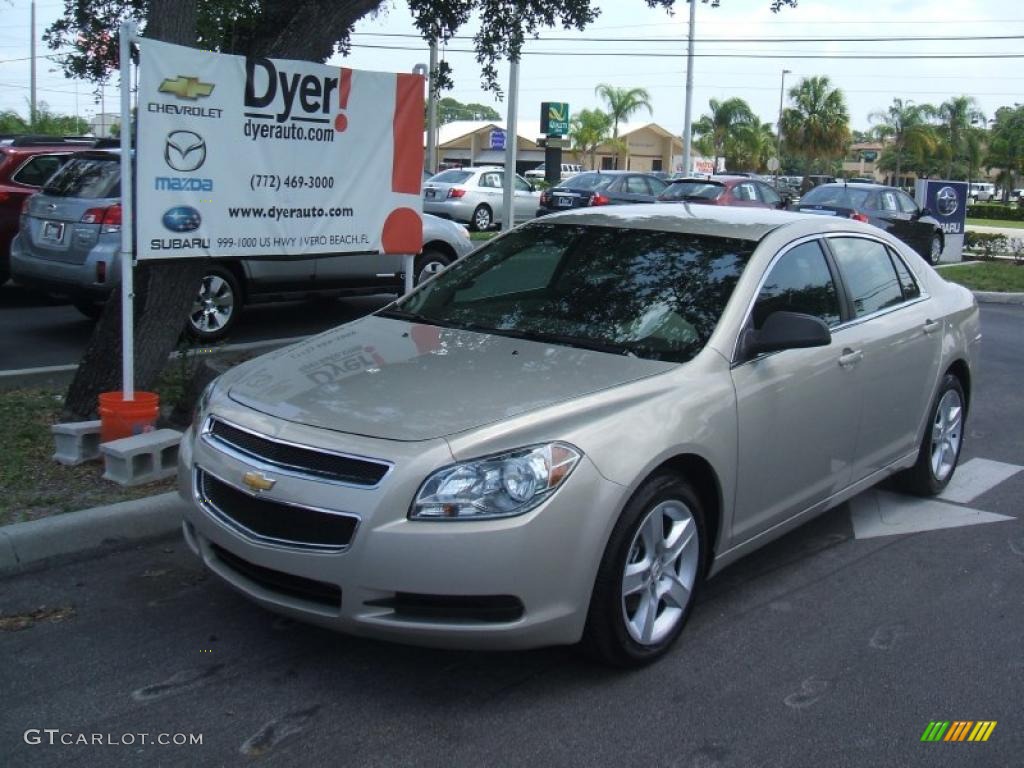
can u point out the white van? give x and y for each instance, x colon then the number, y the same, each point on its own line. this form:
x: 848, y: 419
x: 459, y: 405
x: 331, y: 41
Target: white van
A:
x: 981, y: 192
x: 568, y: 169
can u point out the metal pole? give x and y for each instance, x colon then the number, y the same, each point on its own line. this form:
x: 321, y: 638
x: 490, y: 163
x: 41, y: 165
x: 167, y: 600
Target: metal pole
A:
x: 432, y: 109
x: 128, y: 34
x: 778, y: 128
x: 511, y: 144
x: 32, y: 80
x: 688, y: 118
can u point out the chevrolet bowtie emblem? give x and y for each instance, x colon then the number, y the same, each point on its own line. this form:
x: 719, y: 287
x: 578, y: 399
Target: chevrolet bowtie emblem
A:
x: 258, y: 481
x: 186, y: 87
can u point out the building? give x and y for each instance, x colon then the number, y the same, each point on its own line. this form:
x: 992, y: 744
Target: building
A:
x: 640, y: 147
x: 102, y: 123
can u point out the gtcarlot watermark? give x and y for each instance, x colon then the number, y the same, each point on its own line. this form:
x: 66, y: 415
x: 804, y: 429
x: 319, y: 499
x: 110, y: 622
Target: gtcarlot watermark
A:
x: 55, y: 737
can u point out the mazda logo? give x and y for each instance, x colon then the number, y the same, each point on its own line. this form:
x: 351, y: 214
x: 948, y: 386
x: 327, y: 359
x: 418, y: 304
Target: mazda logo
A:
x: 182, y: 219
x: 946, y: 201
x: 185, y: 151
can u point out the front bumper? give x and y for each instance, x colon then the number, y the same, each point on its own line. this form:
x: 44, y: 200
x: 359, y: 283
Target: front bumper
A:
x: 532, y: 575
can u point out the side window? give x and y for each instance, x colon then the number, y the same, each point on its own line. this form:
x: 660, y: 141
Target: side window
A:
x: 800, y: 281
x: 637, y: 186
x: 768, y: 194
x: 37, y: 170
x: 887, y: 201
x: 908, y: 284
x: 657, y: 185
x: 490, y: 180
x: 868, y: 274
x: 907, y: 205
x: 521, y: 184
x: 745, y: 192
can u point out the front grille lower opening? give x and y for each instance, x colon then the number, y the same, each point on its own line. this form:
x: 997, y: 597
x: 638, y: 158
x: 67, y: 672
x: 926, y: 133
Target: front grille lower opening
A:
x: 311, y: 590
x: 486, y: 609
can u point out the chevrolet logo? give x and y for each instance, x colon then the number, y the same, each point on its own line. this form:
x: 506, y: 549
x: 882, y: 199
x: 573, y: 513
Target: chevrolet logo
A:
x: 258, y: 481
x: 186, y: 87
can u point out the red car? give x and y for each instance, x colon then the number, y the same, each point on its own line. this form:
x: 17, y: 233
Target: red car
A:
x: 723, y: 190
x: 26, y: 162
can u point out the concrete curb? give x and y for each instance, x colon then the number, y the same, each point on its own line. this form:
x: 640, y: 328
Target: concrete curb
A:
x: 995, y: 297
x: 23, y: 544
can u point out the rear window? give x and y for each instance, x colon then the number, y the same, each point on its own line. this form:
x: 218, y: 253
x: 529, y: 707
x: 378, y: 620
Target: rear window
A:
x: 452, y: 177
x: 36, y: 171
x: 839, y: 197
x: 592, y: 181
x: 692, y: 190
x: 88, y: 178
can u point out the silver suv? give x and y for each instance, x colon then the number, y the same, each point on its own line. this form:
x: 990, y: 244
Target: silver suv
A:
x: 70, y: 236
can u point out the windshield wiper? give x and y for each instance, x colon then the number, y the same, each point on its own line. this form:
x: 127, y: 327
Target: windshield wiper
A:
x: 404, y: 314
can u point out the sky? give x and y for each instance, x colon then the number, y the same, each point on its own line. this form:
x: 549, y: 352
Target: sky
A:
x: 725, y: 65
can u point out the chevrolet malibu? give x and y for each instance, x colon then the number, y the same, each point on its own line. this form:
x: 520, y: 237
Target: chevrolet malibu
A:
x: 557, y: 439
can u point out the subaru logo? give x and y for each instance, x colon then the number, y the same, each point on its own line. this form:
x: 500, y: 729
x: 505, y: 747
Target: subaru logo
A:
x: 182, y: 219
x: 185, y: 151
x: 946, y: 201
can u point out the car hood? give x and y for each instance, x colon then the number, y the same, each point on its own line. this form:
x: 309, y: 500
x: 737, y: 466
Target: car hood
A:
x: 391, y: 379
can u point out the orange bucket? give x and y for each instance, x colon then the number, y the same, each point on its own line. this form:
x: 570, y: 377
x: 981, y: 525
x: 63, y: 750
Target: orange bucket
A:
x: 124, y: 418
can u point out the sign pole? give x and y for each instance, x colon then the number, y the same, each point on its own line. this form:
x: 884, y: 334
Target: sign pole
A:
x: 511, y: 144
x: 128, y: 36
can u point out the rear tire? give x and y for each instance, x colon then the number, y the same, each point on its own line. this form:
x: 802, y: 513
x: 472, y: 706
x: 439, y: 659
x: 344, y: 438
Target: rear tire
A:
x: 216, y: 306
x: 935, y: 249
x: 482, y: 219
x: 650, y: 574
x: 942, y: 442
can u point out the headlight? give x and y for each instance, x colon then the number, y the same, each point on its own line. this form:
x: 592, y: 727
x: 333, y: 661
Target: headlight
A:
x: 202, y: 404
x: 496, y: 486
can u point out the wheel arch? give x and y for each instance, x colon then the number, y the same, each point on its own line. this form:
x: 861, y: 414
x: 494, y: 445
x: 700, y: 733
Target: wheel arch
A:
x: 962, y: 371
x: 702, y: 475
x: 442, y: 247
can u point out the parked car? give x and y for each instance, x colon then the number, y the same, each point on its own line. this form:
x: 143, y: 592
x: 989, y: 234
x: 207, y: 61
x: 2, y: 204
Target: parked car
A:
x: 568, y: 170
x: 980, y: 192
x: 888, y: 208
x: 70, y: 239
x: 601, y: 188
x: 810, y: 182
x: 475, y: 196
x: 723, y: 190
x: 26, y: 162
x: 621, y: 404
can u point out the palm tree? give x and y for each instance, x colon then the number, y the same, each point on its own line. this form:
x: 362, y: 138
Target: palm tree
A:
x: 751, y: 145
x: 722, y: 122
x: 588, y: 130
x: 817, y: 126
x: 956, y: 116
x: 623, y: 102
x: 904, y: 122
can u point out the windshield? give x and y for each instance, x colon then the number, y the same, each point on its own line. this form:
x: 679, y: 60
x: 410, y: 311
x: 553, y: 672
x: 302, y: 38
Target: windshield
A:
x: 591, y: 181
x: 692, y: 190
x: 87, y: 177
x: 647, y: 293
x: 839, y: 197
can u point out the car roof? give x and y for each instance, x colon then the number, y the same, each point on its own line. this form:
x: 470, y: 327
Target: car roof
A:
x: 857, y: 184
x: 715, y: 221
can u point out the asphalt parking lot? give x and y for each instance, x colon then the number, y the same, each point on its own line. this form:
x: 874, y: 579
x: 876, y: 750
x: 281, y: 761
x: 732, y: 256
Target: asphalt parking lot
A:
x: 834, y: 646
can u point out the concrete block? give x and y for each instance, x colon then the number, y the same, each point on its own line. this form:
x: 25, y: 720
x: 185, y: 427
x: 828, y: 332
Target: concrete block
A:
x: 142, y: 458
x: 76, y: 442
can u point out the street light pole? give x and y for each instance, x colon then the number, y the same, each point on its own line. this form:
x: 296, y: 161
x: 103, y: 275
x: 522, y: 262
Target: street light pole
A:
x: 688, y: 116
x: 778, y: 127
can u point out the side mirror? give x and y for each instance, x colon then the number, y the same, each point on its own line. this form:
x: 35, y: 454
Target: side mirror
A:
x: 785, y: 330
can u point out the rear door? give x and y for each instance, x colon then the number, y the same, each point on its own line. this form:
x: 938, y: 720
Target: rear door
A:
x: 918, y: 233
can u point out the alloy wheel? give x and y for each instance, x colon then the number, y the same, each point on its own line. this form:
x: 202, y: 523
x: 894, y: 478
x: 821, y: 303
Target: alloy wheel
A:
x: 660, y: 572
x: 947, y: 433
x: 936, y: 250
x: 213, y: 305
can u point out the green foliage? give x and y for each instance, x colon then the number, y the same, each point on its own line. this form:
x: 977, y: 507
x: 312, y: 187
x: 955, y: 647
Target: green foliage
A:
x: 46, y: 123
x: 817, y: 126
x: 995, y: 211
x: 623, y: 103
x: 450, y: 110
x: 588, y: 129
x: 723, y: 124
x: 1006, y: 146
x: 912, y: 139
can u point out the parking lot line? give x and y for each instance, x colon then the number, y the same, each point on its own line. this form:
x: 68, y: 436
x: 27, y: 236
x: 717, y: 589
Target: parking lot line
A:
x: 975, y: 477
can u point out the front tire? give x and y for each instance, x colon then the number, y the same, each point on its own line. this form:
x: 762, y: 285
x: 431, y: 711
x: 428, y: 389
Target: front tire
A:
x: 652, y: 568
x: 216, y: 305
x: 940, y: 447
x: 482, y: 219
x: 429, y: 263
x: 935, y: 248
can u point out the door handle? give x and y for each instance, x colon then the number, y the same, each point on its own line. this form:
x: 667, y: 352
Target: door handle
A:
x: 850, y: 357
x: 930, y: 326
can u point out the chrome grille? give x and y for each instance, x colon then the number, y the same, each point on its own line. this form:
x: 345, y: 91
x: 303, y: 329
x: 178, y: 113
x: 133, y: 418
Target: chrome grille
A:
x: 297, y: 459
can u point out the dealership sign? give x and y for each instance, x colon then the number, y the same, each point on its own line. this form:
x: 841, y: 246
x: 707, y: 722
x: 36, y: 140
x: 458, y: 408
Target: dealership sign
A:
x: 266, y: 157
x: 946, y: 201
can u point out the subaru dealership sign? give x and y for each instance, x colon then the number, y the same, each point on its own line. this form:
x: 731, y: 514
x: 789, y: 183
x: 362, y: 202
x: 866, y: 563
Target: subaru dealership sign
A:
x: 257, y: 157
x: 947, y: 201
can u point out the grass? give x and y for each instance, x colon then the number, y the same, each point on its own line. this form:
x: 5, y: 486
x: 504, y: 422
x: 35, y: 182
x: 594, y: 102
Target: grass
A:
x: 1001, y: 276
x: 32, y: 484
x: 482, y: 235
x: 995, y: 223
